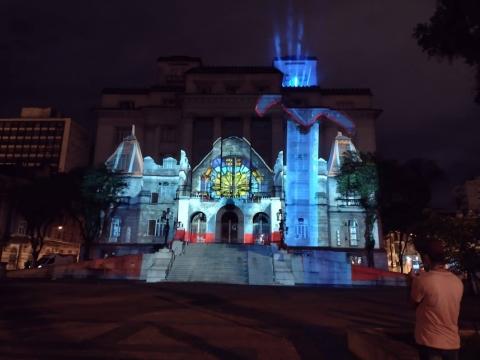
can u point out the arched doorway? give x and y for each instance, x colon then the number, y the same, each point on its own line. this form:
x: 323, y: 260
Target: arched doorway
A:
x: 198, y: 227
x: 229, y: 225
x: 261, y: 228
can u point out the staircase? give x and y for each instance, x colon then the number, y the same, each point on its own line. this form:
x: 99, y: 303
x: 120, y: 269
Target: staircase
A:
x: 223, y: 263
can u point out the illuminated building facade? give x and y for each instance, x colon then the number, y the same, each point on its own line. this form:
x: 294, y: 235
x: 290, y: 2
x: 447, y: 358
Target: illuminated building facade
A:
x: 236, y: 155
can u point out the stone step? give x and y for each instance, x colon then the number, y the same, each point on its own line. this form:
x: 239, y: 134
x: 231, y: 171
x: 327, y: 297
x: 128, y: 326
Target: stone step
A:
x: 224, y: 263
x: 211, y: 263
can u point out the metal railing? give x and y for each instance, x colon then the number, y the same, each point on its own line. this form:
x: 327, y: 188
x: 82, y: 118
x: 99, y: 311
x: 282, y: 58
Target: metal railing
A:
x: 185, y: 191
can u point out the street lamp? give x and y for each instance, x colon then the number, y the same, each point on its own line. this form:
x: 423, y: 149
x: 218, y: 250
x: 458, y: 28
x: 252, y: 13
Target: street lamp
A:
x: 281, y: 216
x: 166, y: 216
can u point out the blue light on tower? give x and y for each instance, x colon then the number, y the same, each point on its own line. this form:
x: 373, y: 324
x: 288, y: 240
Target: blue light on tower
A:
x: 298, y: 71
x: 303, y: 136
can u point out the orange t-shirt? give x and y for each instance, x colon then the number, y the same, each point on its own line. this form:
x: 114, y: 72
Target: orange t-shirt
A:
x: 439, y: 294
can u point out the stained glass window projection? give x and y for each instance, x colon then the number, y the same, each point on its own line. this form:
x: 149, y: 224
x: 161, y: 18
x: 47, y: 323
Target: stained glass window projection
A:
x: 233, y: 178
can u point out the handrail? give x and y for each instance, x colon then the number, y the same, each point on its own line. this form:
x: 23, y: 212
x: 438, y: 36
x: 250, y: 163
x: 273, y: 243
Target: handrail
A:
x: 169, y: 266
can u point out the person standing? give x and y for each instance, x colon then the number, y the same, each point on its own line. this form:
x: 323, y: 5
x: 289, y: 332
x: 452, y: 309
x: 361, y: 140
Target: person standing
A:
x: 437, y: 294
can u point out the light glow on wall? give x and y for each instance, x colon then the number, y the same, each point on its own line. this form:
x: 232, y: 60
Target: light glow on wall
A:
x: 301, y: 180
x: 301, y: 185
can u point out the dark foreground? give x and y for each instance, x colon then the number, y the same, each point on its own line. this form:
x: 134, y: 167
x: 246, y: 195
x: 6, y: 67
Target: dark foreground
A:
x: 127, y: 320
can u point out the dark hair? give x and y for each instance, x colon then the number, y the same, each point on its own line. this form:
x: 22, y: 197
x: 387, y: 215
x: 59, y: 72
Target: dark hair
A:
x: 435, y: 250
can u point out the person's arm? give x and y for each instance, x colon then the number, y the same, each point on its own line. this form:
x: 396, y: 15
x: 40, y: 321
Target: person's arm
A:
x: 417, y: 291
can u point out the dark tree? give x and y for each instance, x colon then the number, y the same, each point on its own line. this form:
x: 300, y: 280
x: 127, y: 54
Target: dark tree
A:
x: 358, y: 179
x: 94, y: 202
x: 453, y: 32
x: 41, y: 202
x: 462, y: 239
x: 405, y: 192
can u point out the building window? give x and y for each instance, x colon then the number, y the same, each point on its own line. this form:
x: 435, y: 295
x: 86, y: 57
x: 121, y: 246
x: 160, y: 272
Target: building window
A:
x: 126, y: 104
x: 261, y: 136
x: 337, y: 237
x: 353, y: 228
x: 128, y: 234
x: 22, y: 228
x: 115, y: 228
x: 166, y: 192
x: 301, y: 229
x: 121, y: 133
x: 168, y: 133
x: 261, y: 228
x: 154, y: 198
x: 152, y: 228
x: 232, y: 126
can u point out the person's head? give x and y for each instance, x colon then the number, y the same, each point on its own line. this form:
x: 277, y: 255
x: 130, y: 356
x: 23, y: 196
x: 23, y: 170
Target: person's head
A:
x: 433, y: 254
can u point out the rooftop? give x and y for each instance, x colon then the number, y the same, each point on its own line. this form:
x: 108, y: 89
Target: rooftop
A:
x: 180, y: 58
x: 330, y: 91
x: 234, y: 70
x: 142, y: 91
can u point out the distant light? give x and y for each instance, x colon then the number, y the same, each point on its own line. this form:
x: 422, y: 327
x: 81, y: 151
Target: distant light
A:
x: 60, y: 227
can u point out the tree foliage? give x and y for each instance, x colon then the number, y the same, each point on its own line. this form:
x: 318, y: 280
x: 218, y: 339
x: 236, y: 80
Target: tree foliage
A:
x: 405, y: 192
x: 358, y: 179
x: 94, y: 202
x: 453, y: 32
x: 461, y: 236
x: 41, y: 202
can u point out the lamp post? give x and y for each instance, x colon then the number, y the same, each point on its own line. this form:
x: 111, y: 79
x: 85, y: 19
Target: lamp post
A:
x: 60, y: 232
x: 281, y: 216
x: 166, y: 216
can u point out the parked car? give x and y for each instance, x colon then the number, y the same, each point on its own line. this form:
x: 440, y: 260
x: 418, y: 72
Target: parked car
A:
x: 51, y: 259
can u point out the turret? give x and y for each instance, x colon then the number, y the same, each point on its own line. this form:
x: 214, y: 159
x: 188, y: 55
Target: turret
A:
x: 340, y: 146
x: 127, y: 158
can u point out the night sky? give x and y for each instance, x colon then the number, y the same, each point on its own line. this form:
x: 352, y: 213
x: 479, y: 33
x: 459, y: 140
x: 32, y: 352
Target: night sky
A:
x: 62, y: 53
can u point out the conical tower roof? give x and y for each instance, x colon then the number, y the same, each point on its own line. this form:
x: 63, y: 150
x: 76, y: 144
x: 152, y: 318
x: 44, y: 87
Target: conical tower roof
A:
x: 340, y: 146
x: 127, y: 158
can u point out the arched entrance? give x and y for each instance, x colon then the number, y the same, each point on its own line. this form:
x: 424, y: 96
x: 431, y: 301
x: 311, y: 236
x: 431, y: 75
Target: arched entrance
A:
x: 229, y: 225
x: 261, y: 228
x: 198, y: 227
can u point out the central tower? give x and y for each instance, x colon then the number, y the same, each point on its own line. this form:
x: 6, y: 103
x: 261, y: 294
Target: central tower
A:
x: 302, y: 143
x: 302, y: 157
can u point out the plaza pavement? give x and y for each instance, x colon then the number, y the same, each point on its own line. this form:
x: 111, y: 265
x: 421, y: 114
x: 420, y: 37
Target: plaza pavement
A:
x: 135, y: 320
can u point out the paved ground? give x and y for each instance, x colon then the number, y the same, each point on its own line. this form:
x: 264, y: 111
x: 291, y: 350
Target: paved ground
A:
x: 128, y: 320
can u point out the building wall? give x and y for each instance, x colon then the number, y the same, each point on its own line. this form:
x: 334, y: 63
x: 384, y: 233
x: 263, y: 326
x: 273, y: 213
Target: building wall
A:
x: 206, y: 103
x: 472, y: 195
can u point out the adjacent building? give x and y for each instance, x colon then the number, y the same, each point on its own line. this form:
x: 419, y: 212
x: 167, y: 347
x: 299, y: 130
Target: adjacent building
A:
x: 40, y: 138
x: 193, y: 105
x: 468, y: 197
x: 38, y: 143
